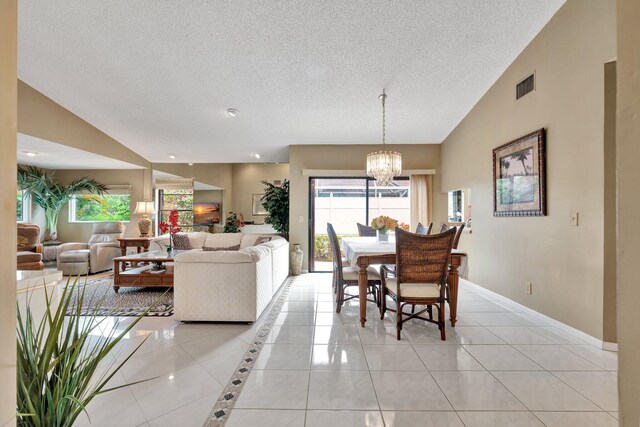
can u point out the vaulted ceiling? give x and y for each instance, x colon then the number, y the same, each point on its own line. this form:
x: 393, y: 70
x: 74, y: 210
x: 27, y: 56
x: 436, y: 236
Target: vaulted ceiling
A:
x: 158, y: 76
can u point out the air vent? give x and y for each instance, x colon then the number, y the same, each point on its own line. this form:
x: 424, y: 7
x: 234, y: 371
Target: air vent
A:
x: 277, y: 182
x: 525, y: 86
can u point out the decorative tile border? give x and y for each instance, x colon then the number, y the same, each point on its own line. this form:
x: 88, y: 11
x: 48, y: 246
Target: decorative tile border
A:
x: 227, y: 400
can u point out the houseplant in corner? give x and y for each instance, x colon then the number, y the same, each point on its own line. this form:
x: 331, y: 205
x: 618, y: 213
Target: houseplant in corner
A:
x: 276, y: 202
x: 51, y: 196
x: 60, y: 359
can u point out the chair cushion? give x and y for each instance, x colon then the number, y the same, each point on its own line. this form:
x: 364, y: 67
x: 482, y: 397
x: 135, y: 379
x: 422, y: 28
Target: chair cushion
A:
x: 413, y: 290
x: 352, y: 273
x: 28, y: 256
x: 74, y: 256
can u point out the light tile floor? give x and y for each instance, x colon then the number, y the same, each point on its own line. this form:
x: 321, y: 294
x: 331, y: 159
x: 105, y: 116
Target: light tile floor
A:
x: 498, y: 367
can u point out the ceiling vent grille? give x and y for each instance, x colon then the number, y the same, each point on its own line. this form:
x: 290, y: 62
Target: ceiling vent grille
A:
x: 525, y: 86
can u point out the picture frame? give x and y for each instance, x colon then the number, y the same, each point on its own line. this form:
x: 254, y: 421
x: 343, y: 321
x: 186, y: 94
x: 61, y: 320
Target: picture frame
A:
x: 257, y: 208
x: 519, y: 177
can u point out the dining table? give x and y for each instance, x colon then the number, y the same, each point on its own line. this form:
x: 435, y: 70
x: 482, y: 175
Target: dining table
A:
x: 361, y: 252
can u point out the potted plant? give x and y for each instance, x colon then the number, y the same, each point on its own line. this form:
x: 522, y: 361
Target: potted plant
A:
x: 51, y: 196
x: 234, y: 222
x: 276, y: 202
x: 171, y: 227
x: 59, y: 358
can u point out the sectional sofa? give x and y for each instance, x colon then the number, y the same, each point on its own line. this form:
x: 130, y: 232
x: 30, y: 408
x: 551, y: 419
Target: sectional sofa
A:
x: 234, y: 283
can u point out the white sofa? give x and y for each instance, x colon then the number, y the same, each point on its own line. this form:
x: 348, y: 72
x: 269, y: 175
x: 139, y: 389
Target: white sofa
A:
x: 226, y: 285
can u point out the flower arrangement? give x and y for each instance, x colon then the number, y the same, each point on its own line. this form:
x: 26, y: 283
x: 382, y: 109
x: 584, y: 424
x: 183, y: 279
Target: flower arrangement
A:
x: 234, y: 222
x: 383, y: 223
x: 172, y: 227
x: 404, y: 226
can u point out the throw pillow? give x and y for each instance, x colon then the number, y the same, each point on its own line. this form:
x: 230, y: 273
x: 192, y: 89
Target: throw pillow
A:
x: 230, y: 248
x: 262, y: 239
x: 181, y: 242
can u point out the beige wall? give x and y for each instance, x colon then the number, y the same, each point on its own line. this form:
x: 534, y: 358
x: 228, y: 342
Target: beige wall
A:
x: 247, y: 180
x: 350, y: 157
x: 80, y: 232
x: 217, y: 174
x: 8, y: 124
x: 609, y: 294
x: 564, y: 263
x: 41, y: 117
x: 628, y: 157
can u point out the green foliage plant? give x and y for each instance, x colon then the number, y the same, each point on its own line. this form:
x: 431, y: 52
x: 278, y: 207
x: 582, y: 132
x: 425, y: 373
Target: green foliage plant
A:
x: 276, y: 202
x: 234, y: 222
x: 60, y: 359
x: 51, y: 196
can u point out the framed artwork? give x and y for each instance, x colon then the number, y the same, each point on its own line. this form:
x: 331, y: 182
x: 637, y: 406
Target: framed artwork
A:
x: 519, y: 177
x: 206, y: 213
x: 256, y: 205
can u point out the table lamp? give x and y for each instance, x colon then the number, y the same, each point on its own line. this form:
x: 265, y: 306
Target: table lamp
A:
x: 144, y: 225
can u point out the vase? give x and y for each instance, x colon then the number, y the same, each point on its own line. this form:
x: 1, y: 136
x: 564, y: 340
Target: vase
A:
x: 296, y: 260
x: 383, y: 236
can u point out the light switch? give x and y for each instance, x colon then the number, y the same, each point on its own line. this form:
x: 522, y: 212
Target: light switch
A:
x: 300, y: 219
x: 573, y: 218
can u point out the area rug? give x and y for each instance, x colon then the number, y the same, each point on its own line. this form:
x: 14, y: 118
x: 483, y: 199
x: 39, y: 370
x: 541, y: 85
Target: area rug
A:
x: 100, y: 299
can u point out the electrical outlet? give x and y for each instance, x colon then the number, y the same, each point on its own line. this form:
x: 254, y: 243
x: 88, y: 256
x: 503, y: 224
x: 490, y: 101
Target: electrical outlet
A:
x: 528, y: 288
x: 573, y: 218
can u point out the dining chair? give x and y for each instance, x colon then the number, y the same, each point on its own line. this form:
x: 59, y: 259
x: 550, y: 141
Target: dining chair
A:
x: 366, y: 231
x: 344, y: 277
x: 422, y: 230
x: 456, y: 240
x: 444, y: 227
x: 420, y: 277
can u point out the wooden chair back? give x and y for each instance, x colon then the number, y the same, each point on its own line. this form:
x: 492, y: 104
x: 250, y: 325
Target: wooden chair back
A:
x: 336, y: 254
x: 423, y: 259
x: 366, y: 231
x: 422, y: 230
x: 444, y: 227
x: 457, y: 238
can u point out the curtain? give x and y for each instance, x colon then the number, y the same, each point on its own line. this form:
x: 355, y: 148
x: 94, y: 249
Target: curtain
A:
x: 421, y: 190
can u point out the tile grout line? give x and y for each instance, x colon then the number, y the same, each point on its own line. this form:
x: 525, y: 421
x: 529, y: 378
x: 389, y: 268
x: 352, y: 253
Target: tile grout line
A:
x: 221, y: 411
x: 313, y: 333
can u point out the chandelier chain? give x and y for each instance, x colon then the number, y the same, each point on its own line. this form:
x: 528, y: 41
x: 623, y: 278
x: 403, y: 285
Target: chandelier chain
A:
x: 383, y: 97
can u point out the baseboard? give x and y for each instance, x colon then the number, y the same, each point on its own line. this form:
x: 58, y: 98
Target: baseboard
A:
x: 546, y: 319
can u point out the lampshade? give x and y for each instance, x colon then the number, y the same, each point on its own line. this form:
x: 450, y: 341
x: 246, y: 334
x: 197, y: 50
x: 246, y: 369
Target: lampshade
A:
x: 144, y: 208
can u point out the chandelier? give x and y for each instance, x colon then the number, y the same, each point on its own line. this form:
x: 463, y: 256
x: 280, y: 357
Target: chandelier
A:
x: 384, y: 165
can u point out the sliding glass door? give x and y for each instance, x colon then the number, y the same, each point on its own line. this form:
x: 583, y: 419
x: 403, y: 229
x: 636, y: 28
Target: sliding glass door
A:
x: 344, y: 202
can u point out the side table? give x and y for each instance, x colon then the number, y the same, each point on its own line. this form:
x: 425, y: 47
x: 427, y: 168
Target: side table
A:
x: 140, y: 243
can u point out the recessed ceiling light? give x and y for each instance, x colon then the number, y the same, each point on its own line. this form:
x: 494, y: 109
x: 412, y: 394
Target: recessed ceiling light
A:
x: 30, y: 153
x: 171, y: 156
x: 232, y: 112
x: 257, y: 156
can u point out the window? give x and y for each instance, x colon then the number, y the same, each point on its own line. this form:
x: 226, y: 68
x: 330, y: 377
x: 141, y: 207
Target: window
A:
x: 346, y: 201
x: 22, y: 206
x: 115, y: 206
x: 180, y: 200
x: 456, y: 206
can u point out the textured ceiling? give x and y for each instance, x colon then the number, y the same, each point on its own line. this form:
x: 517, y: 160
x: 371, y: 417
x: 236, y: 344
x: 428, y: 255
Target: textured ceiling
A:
x: 57, y: 156
x: 159, y: 75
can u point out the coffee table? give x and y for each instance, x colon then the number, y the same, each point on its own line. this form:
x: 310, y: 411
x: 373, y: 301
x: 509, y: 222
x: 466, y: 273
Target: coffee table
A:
x: 146, y: 273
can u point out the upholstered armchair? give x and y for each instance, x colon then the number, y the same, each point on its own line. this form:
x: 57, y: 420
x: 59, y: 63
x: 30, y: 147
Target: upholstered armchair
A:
x: 29, y: 247
x: 96, y: 255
